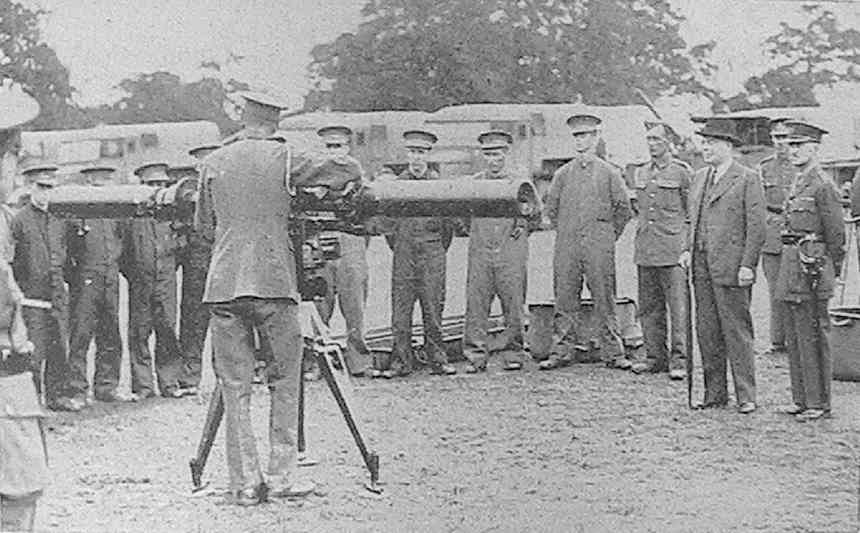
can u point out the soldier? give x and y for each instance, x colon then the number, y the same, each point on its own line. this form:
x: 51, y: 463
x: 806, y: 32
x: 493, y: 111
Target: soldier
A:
x: 347, y: 275
x: 419, y: 245
x: 40, y: 255
x: 727, y: 232
x: 662, y: 192
x: 498, y: 257
x: 776, y: 173
x: 193, y: 255
x: 149, y: 264
x: 94, y: 248
x: 244, y: 208
x: 811, y: 261
x: 588, y: 205
x: 20, y: 197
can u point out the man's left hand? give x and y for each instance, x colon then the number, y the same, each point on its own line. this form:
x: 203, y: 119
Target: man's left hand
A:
x: 746, y: 276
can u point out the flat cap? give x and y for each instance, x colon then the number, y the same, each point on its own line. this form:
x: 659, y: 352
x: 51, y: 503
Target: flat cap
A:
x: 800, y: 131
x: 335, y: 134
x: 419, y: 139
x: 584, y: 123
x: 203, y: 150
x: 495, y: 139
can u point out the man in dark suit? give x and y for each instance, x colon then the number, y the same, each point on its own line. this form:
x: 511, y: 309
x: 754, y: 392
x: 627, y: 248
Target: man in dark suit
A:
x: 244, y: 209
x: 727, y: 234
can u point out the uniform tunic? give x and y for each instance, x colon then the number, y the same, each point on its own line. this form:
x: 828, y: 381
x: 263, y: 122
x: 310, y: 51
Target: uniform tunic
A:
x: 777, y: 174
x: 497, y: 266
x: 588, y: 206
x: 662, y: 194
x: 813, y: 207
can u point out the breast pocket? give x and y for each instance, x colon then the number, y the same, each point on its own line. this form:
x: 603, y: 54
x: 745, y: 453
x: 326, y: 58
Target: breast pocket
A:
x: 803, y: 214
x: 774, y: 194
x: 668, y: 195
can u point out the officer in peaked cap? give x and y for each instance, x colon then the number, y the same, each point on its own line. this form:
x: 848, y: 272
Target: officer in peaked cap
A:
x: 149, y: 263
x: 811, y: 261
x: 727, y: 218
x: 40, y: 255
x: 662, y: 188
x: 95, y: 248
x: 776, y: 174
x: 497, y: 265
x: 21, y: 196
x: 347, y: 276
x: 34, y: 172
x: 261, y: 107
x: 588, y: 204
x: 419, y: 246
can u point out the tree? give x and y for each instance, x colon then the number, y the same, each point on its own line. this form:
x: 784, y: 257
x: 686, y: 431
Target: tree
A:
x: 164, y: 97
x: 425, y: 54
x: 28, y: 61
x: 820, y: 55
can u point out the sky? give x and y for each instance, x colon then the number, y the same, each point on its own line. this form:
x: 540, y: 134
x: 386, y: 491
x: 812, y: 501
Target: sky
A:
x: 105, y: 41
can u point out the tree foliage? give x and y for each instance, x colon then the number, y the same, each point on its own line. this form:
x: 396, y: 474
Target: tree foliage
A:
x: 425, y: 54
x: 30, y: 62
x: 164, y: 97
x: 822, y: 54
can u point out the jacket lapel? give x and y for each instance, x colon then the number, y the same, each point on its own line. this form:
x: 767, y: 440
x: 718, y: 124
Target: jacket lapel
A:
x: 725, y: 183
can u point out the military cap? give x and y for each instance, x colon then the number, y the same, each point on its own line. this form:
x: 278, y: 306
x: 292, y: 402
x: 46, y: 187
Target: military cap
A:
x: 419, y: 139
x: 39, y: 169
x: 203, y: 150
x: 584, y: 123
x: 721, y: 128
x: 800, y: 132
x: 262, y: 106
x: 98, y: 173
x: 335, y: 134
x: 46, y: 182
x: 152, y: 172
x: 495, y: 139
x: 658, y: 130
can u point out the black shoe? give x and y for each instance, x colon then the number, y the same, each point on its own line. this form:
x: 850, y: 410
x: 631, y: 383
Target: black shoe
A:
x: 443, y: 369
x: 172, y: 392
x: 513, y: 365
x: 746, y: 408
x: 711, y: 405
x: 250, y: 497
x: 70, y: 405
x: 145, y: 394
x: 475, y: 367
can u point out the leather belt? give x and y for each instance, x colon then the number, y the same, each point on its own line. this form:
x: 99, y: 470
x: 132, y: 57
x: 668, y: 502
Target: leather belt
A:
x: 775, y: 209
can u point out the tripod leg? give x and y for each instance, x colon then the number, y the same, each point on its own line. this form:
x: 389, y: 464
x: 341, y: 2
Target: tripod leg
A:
x: 371, y: 459
x: 210, y: 428
x: 303, y: 458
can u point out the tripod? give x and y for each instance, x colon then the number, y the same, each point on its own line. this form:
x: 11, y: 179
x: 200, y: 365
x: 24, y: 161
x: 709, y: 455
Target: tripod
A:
x: 333, y: 369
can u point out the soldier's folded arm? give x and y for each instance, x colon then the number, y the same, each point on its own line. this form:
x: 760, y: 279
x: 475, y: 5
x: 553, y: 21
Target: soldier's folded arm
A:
x: 621, y: 210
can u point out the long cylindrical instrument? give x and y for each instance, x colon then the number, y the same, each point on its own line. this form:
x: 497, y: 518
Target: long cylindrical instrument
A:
x: 453, y: 198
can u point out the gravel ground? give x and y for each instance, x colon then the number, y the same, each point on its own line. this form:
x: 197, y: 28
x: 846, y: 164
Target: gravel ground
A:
x: 580, y: 449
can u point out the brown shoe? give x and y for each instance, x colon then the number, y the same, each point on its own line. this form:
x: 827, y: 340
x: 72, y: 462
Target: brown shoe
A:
x: 746, y: 408
x: 619, y: 362
x: 513, y: 365
x: 443, y: 369
x: 115, y: 396
x: 812, y: 414
x: 793, y: 409
x: 70, y: 405
x: 649, y: 366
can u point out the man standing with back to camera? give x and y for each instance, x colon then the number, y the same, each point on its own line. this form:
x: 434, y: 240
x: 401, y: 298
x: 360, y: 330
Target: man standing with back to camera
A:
x: 244, y: 206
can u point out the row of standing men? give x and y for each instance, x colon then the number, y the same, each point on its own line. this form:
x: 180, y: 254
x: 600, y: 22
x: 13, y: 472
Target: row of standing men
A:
x: 69, y: 272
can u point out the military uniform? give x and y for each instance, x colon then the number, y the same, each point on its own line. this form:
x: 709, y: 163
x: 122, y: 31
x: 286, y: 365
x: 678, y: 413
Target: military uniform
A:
x: 776, y: 174
x: 420, y: 246
x: 252, y: 282
x: 662, y: 193
x: 813, y: 213
x: 40, y: 254
x: 588, y: 206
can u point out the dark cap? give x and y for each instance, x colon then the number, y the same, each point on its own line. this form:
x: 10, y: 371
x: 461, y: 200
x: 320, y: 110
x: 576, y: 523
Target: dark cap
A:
x: 336, y: 134
x: 800, y: 132
x: 262, y: 106
x: 584, y: 123
x: 152, y: 172
x: 39, y: 169
x: 47, y: 182
x: 778, y: 128
x: 419, y: 139
x: 203, y: 150
x: 721, y: 128
x: 495, y: 139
